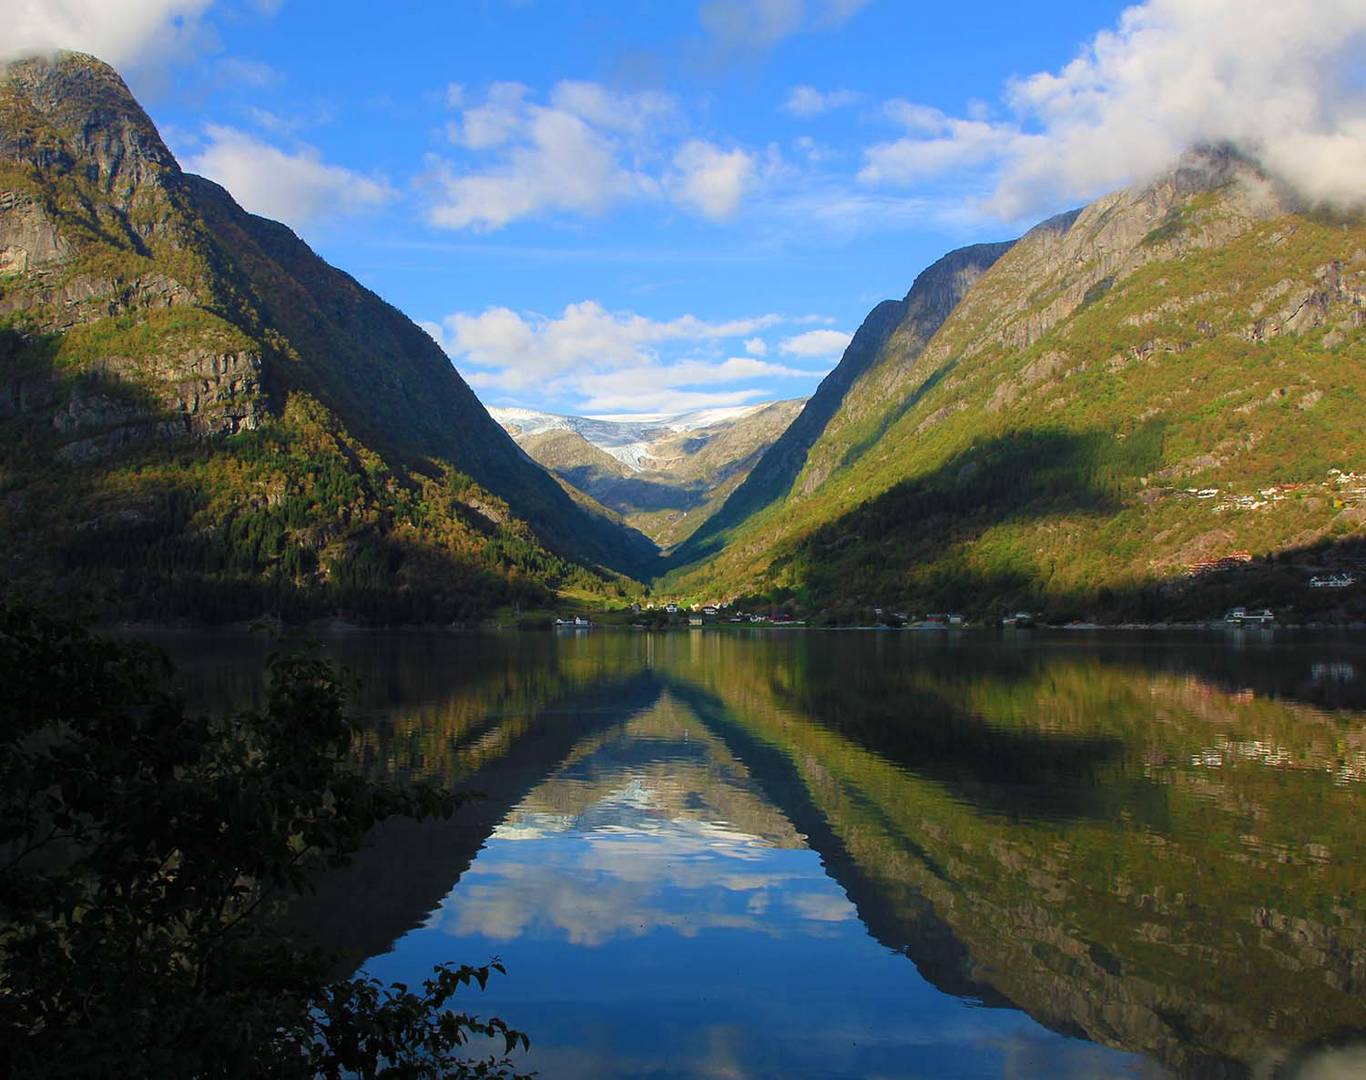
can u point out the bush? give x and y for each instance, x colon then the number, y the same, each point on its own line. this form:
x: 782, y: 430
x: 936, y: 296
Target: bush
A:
x: 144, y: 855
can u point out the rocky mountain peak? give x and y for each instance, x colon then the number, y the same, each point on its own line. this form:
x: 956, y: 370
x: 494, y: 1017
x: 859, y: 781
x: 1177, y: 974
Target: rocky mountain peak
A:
x: 70, y: 112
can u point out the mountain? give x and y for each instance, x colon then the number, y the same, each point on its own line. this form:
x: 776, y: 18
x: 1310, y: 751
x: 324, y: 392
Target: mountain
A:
x: 664, y: 475
x: 1149, y: 407
x: 198, y: 413
x: 914, y: 318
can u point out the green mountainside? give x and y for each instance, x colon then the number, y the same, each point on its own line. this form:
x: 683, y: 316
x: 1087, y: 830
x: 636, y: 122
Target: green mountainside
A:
x: 913, y: 319
x: 1172, y: 377
x: 198, y: 416
x: 684, y: 476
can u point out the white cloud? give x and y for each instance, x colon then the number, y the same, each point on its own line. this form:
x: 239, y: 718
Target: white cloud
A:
x: 816, y: 343
x: 494, y: 123
x: 123, y: 33
x: 1281, y: 81
x: 814, y: 152
x: 526, y: 349
x: 563, y: 165
x: 938, y: 144
x: 596, y: 361
x: 760, y: 24
x: 627, y: 399
x: 710, y: 180
x: 595, y: 104
x: 677, y: 387
x: 808, y: 101
x: 288, y: 125
x: 296, y: 187
x: 582, y: 151
x: 253, y: 73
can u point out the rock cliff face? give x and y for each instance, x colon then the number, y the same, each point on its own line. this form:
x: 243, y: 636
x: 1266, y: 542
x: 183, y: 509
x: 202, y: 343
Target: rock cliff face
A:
x: 1047, y: 441
x: 140, y: 306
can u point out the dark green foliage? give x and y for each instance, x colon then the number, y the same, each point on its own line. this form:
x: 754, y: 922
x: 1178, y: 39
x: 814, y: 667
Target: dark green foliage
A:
x: 143, y: 853
x: 1098, y: 290
x: 294, y: 519
x: 1173, y: 225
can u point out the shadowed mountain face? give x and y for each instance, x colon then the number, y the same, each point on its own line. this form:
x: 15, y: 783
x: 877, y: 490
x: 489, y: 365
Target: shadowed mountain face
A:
x: 141, y: 309
x: 1198, y: 339
x: 1150, y: 843
x: 665, y: 477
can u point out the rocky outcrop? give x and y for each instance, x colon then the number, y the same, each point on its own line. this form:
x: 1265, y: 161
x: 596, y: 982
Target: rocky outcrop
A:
x: 29, y: 238
x: 1292, y: 307
x: 76, y: 116
x: 51, y: 303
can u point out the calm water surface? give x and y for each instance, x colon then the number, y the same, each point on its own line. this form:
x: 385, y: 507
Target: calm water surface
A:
x: 871, y: 855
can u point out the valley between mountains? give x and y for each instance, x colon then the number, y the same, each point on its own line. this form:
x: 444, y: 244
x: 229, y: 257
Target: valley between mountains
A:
x: 1148, y: 408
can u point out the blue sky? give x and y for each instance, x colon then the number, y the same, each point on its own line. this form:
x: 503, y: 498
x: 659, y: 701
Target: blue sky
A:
x: 636, y: 207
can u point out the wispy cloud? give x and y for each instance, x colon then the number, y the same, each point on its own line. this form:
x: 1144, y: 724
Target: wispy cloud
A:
x: 747, y: 25
x: 710, y: 180
x: 806, y: 101
x: 294, y: 186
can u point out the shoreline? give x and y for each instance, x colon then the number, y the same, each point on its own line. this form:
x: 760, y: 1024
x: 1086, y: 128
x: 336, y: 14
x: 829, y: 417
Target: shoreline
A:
x: 271, y: 626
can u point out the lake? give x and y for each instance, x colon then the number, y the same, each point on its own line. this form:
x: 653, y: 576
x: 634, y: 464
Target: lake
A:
x: 863, y: 854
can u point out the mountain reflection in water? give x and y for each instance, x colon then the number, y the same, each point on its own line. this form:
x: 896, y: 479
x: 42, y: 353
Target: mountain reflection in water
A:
x: 805, y: 854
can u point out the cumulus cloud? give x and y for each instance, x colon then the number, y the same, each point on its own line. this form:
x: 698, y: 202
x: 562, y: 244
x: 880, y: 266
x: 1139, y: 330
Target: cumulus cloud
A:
x: 816, y: 343
x: 563, y: 164
x: 528, y: 348
x: 123, y: 33
x: 710, y: 180
x: 751, y: 24
x: 1283, y: 82
x: 808, y: 101
x: 582, y: 150
x: 296, y: 187
x: 595, y: 360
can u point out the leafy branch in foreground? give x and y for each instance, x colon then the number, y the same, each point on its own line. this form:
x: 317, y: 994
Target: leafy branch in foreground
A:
x: 145, y: 855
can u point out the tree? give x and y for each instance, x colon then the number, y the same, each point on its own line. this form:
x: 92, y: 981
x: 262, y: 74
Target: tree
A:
x: 144, y: 854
